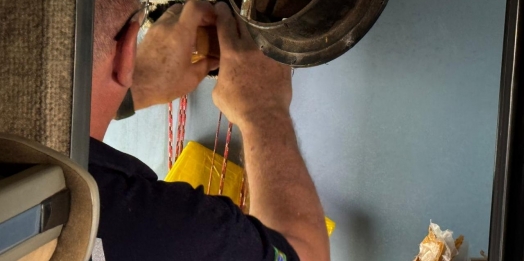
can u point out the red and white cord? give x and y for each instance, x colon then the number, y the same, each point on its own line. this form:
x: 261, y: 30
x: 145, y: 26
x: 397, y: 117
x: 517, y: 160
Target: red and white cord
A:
x: 181, y: 125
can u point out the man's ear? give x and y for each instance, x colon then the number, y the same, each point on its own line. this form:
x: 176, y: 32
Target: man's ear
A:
x: 124, y: 61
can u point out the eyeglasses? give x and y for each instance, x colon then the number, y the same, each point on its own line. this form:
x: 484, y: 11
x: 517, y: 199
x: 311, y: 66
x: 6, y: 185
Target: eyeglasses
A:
x: 139, y: 16
x: 142, y: 13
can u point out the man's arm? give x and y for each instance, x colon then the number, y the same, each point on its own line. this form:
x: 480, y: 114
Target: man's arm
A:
x: 254, y: 92
x: 283, y: 196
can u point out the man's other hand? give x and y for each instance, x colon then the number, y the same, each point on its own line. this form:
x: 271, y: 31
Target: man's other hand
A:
x: 163, y: 70
x: 251, y: 87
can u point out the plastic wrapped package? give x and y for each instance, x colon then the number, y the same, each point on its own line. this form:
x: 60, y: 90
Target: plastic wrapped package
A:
x: 439, y: 245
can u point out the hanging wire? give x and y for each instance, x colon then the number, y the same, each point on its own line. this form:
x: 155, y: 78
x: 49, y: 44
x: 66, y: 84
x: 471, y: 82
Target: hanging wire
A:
x: 224, y: 164
x: 170, y: 159
x: 181, y: 129
x: 242, y: 203
x: 182, y: 108
x: 212, y: 167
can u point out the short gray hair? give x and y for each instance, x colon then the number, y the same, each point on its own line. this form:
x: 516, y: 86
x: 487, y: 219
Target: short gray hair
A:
x: 110, y: 17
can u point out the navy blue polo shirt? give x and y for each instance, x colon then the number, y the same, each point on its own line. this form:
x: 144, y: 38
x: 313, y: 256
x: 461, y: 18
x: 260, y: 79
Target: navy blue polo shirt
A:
x: 142, y: 218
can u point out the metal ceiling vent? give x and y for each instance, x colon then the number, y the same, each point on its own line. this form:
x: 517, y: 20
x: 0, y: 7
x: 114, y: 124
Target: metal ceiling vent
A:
x: 304, y: 33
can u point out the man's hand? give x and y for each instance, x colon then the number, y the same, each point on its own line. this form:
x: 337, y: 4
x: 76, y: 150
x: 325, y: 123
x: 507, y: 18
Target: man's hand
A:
x: 163, y: 70
x: 251, y: 87
x: 254, y: 92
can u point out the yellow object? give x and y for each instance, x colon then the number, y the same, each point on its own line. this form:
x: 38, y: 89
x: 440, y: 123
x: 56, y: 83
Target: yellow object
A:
x: 330, y: 224
x: 193, y: 167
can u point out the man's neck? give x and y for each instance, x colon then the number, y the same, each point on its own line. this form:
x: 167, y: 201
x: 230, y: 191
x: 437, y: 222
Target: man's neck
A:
x: 99, y: 127
x: 106, y: 98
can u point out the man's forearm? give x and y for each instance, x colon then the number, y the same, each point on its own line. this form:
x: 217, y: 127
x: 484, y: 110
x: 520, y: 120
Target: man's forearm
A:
x: 282, y: 193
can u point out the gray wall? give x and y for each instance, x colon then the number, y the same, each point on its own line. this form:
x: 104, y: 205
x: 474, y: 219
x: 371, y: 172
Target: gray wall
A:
x: 398, y: 131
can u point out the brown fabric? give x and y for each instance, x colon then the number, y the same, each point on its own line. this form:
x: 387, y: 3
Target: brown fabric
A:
x: 74, y: 240
x: 42, y: 253
x: 36, y: 72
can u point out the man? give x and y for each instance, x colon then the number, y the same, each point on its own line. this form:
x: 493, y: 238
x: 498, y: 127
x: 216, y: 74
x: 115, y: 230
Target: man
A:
x: 145, y: 219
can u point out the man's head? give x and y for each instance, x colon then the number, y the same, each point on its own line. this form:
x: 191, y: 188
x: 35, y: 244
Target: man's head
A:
x: 110, y: 18
x: 115, y: 34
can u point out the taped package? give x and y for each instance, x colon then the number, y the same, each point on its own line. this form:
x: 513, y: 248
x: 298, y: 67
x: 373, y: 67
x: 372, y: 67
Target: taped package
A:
x: 194, y: 167
x: 439, y: 245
